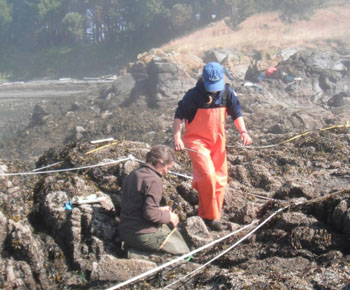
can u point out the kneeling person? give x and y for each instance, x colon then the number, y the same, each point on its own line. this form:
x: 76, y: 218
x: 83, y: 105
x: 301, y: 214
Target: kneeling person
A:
x: 143, y: 222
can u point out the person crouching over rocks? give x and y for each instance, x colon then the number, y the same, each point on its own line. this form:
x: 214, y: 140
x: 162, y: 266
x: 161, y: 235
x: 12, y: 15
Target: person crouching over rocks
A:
x: 143, y: 222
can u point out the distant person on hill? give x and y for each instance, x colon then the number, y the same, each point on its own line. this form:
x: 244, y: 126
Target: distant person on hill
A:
x: 204, y: 110
x: 143, y: 222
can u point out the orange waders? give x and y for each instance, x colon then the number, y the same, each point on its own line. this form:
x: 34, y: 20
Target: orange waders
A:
x: 206, y: 134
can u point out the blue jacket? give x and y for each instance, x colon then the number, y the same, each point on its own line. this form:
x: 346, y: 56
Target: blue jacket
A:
x: 197, y: 98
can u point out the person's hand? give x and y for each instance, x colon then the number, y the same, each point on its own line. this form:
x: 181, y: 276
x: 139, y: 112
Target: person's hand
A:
x: 174, y: 219
x: 165, y: 208
x: 178, y: 143
x: 246, y: 139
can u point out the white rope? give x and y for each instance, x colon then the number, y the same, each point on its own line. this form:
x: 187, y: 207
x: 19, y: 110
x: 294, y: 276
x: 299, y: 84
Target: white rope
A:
x: 190, y: 177
x: 38, y: 169
x: 256, y: 195
x: 180, y: 174
x: 346, y: 125
x: 195, y: 151
x: 102, y: 140
x: 253, y: 147
x: 228, y: 188
x: 230, y: 248
x: 169, y: 171
x: 260, y: 196
x: 177, y: 259
x: 132, y: 158
x: 66, y: 170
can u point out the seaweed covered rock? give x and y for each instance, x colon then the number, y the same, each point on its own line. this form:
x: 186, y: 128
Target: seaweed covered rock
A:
x: 299, y: 162
x: 50, y: 241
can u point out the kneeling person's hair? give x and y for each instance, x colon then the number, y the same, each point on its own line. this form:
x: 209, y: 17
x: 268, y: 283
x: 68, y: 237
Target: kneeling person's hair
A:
x: 160, y: 154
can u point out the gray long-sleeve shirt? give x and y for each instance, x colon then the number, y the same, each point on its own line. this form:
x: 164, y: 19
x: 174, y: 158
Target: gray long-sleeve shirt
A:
x: 142, y: 193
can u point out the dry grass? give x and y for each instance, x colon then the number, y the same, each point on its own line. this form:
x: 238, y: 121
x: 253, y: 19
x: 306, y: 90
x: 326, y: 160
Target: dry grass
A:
x: 267, y: 32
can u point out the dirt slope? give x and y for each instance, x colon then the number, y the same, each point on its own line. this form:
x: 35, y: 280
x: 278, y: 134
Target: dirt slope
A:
x: 266, y: 32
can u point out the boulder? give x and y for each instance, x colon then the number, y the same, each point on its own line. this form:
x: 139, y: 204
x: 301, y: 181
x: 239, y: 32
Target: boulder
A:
x: 110, y: 268
x: 167, y: 81
x: 197, y: 231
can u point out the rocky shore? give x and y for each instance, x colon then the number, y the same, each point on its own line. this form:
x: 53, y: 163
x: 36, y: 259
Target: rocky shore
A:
x: 298, y: 169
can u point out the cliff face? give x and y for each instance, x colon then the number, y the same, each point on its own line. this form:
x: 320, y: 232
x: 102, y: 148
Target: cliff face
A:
x: 298, y: 118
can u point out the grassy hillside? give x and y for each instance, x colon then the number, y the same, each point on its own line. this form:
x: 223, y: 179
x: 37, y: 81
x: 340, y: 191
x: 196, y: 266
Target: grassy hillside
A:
x: 327, y: 28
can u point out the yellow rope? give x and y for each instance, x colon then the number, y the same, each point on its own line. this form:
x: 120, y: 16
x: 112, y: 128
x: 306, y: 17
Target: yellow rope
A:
x: 295, y: 137
x: 99, y: 148
x: 346, y: 125
x: 167, y: 238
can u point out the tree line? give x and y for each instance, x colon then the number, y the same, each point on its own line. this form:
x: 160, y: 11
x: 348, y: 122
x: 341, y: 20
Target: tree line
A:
x: 45, y: 23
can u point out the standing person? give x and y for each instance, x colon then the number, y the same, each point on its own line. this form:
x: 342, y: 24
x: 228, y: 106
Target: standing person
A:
x: 204, y: 110
x: 143, y: 222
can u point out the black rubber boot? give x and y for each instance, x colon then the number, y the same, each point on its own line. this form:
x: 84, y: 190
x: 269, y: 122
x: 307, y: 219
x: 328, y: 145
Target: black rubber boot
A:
x: 214, y: 225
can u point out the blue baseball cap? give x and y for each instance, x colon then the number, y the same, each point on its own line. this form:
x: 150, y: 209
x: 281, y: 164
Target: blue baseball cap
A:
x: 213, y: 75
